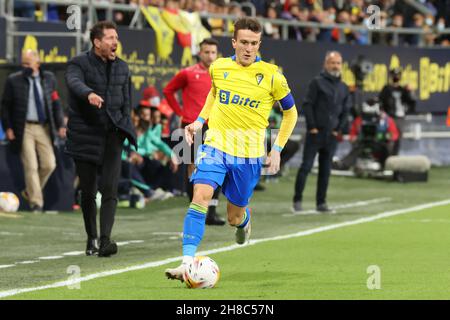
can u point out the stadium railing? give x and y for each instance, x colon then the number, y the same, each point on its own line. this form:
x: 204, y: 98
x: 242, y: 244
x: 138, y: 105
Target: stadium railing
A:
x: 137, y: 21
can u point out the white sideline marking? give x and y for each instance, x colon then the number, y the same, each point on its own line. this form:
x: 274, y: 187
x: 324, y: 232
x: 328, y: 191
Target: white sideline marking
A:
x: 73, y: 253
x: 341, y: 206
x: 28, y: 262
x: 50, y: 258
x: 66, y: 254
x: 6, y: 233
x: 303, y: 233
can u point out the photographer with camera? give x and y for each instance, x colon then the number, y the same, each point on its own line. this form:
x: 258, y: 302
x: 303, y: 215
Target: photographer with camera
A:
x: 397, y: 101
x: 373, y: 134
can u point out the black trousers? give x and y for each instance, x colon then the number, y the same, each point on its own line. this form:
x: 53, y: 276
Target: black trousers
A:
x: 324, y: 143
x: 109, y: 172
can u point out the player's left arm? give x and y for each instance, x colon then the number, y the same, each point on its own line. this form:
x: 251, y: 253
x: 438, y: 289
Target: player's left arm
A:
x: 281, y: 92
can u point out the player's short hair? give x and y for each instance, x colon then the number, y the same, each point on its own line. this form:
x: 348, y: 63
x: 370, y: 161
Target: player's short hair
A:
x: 247, y: 23
x: 209, y: 42
x: 97, y: 29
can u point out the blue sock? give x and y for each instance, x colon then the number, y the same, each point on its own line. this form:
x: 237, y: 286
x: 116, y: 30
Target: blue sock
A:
x: 194, y: 227
x: 245, y: 219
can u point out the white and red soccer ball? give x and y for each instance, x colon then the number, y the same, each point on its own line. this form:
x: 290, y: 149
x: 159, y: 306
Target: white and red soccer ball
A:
x: 203, y: 272
x: 9, y: 202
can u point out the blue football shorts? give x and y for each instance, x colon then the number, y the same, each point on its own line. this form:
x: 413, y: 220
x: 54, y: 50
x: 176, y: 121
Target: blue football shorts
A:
x: 237, y: 176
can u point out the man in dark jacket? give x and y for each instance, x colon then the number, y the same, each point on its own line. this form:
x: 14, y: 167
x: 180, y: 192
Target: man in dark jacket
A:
x: 99, y: 121
x: 32, y: 117
x: 326, y: 106
x: 397, y: 101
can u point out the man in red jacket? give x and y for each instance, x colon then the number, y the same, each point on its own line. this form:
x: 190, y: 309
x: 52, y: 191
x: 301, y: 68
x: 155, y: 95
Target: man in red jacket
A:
x: 195, y: 83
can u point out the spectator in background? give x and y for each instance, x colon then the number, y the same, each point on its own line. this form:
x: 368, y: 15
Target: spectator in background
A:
x: 430, y: 36
x: 440, y: 25
x: 418, y: 23
x: 271, y: 30
x: 443, y: 12
x: 24, y: 9
x: 292, y: 14
x: 148, y: 162
x: 216, y: 25
x: 234, y: 10
x: 324, y: 18
x: 161, y: 113
x: 396, y: 22
x: 348, y: 35
x: 122, y: 17
x: 32, y: 117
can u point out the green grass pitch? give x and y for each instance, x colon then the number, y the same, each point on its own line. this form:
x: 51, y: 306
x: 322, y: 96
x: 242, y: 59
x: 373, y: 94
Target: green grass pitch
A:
x: 409, y: 250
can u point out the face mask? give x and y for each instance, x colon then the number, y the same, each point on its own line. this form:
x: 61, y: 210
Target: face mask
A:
x: 155, y: 101
x: 440, y: 26
x: 27, y: 71
x: 429, y: 21
x: 332, y: 17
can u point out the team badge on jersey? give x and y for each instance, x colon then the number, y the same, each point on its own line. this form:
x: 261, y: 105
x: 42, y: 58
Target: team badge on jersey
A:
x: 259, y: 78
x: 225, y: 75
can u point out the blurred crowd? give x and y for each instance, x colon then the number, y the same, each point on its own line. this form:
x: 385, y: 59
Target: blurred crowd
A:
x: 396, y: 14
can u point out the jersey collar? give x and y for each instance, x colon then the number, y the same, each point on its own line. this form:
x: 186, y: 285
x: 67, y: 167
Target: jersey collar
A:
x: 233, y: 57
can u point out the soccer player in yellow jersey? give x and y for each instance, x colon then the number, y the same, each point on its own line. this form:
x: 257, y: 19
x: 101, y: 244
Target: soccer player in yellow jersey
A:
x: 244, y: 89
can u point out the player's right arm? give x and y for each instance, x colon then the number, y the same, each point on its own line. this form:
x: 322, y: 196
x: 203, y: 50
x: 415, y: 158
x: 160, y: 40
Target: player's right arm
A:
x: 77, y: 85
x: 176, y: 83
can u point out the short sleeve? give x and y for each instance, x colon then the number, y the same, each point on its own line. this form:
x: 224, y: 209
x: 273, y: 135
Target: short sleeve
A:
x: 280, y: 87
x: 211, y: 74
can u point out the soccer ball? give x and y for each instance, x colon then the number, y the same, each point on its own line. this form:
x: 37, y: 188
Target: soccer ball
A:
x: 9, y: 202
x: 202, y: 272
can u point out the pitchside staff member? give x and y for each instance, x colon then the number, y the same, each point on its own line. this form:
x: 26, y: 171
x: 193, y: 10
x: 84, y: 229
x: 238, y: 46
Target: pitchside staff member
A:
x: 32, y: 118
x: 397, y: 101
x: 99, y: 121
x: 195, y: 84
x: 326, y: 106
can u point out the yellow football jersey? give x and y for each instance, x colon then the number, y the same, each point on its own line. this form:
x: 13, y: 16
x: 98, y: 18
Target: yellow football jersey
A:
x: 244, y: 97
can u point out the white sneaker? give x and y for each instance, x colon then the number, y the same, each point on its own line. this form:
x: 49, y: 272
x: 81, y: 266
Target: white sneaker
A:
x: 167, y: 195
x: 158, y: 194
x: 176, y: 273
x: 243, y: 234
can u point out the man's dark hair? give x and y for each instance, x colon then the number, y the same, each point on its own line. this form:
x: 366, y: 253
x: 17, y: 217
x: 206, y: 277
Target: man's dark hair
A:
x: 247, y: 23
x: 97, y: 29
x: 210, y: 42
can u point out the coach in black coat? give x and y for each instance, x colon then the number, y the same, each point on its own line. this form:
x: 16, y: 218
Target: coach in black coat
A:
x: 86, y: 74
x: 99, y: 121
x: 326, y: 107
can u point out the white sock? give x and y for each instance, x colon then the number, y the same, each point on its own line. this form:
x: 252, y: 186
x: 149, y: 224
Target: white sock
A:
x: 187, y: 259
x: 213, y: 202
